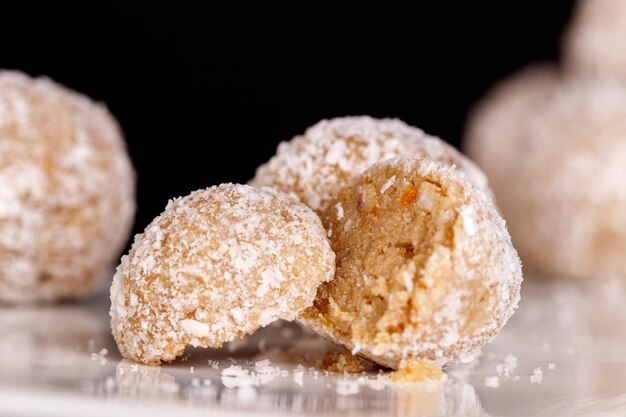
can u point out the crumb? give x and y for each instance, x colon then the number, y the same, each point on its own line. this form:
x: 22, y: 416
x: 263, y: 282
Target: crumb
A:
x: 298, y: 375
x: 507, y: 366
x: 552, y: 366
x: 341, y: 362
x: 492, y: 382
x: 510, y: 363
x: 537, y: 376
x: 100, y: 357
x: 415, y: 371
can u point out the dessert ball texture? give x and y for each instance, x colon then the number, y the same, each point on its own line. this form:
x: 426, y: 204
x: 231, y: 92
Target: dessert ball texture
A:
x: 567, y: 206
x: 425, y: 266
x: 555, y: 154
x: 66, y: 191
x: 595, y: 43
x: 315, y: 166
x: 495, y: 132
x: 214, y: 266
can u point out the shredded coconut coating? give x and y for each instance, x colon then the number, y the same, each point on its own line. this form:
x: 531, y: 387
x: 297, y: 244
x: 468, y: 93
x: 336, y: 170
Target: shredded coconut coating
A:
x: 315, y: 166
x: 214, y: 266
x: 494, y: 136
x: 425, y: 270
x: 67, y: 191
x: 595, y: 43
x: 566, y: 205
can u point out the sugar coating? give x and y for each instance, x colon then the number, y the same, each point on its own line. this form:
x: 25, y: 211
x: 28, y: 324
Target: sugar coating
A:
x: 314, y: 166
x: 66, y: 191
x: 425, y: 270
x: 214, y: 266
x: 595, y: 43
x: 494, y: 136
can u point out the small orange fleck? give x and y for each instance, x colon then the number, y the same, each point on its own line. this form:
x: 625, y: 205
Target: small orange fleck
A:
x: 375, y: 210
x: 408, y: 196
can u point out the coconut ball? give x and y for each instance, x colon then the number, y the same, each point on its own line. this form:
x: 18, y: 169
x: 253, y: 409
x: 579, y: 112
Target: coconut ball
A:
x: 595, y: 43
x: 214, y: 266
x: 66, y: 191
x: 494, y: 136
x: 313, y: 167
x: 567, y: 207
x: 557, y: 163
x: 425, y: 266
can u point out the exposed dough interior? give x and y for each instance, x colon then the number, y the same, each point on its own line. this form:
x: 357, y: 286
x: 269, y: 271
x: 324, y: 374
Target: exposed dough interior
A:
x: 396, y: 276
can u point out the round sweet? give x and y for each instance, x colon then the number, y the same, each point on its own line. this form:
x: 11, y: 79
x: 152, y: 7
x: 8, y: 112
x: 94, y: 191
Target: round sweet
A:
x: 595, y: 43
x: 315, y: 166
x: 566, y: 204
x: 425, y: 266
x: 214, y: 266
x: 495, y: 136
x: 66, y: 191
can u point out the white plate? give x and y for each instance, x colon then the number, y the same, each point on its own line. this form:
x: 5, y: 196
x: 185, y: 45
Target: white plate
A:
x: 575, y: 335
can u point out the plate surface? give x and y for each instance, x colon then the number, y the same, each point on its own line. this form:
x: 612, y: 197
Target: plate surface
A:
x: 562, y: 354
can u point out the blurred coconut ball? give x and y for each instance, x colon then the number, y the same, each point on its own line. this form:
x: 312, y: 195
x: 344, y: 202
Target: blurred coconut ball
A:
x: 67, y: 191
x: 494, y: 132
x: 557, y: 163
x: 595, y: 42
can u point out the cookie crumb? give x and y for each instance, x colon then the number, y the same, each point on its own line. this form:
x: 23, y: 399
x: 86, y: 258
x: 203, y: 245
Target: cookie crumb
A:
x: 492, y: 382
x: 416, y: 371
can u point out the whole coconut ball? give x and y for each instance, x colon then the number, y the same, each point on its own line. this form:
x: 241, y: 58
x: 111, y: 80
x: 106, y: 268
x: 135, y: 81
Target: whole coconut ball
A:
x: 568, y: 213
x: 562, y: 188
x: 495, y: 128
x: 595, y: 43
x: 66, y: 191
x: 216, y: 265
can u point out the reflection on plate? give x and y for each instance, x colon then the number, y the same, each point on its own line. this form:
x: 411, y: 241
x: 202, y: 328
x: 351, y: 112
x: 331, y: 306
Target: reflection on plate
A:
x: 561, y: 354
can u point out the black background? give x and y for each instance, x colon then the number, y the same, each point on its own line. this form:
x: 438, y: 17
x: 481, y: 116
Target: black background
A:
x: 204, y: 100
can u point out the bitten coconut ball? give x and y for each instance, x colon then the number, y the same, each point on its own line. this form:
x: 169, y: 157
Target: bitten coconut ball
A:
x: 495, y: 132
x: 66, y: 191
x: 425, y: 266
x: 566, y: 205
x: 595, y: 43
x: 315, y: 166
x: 214, y: 266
